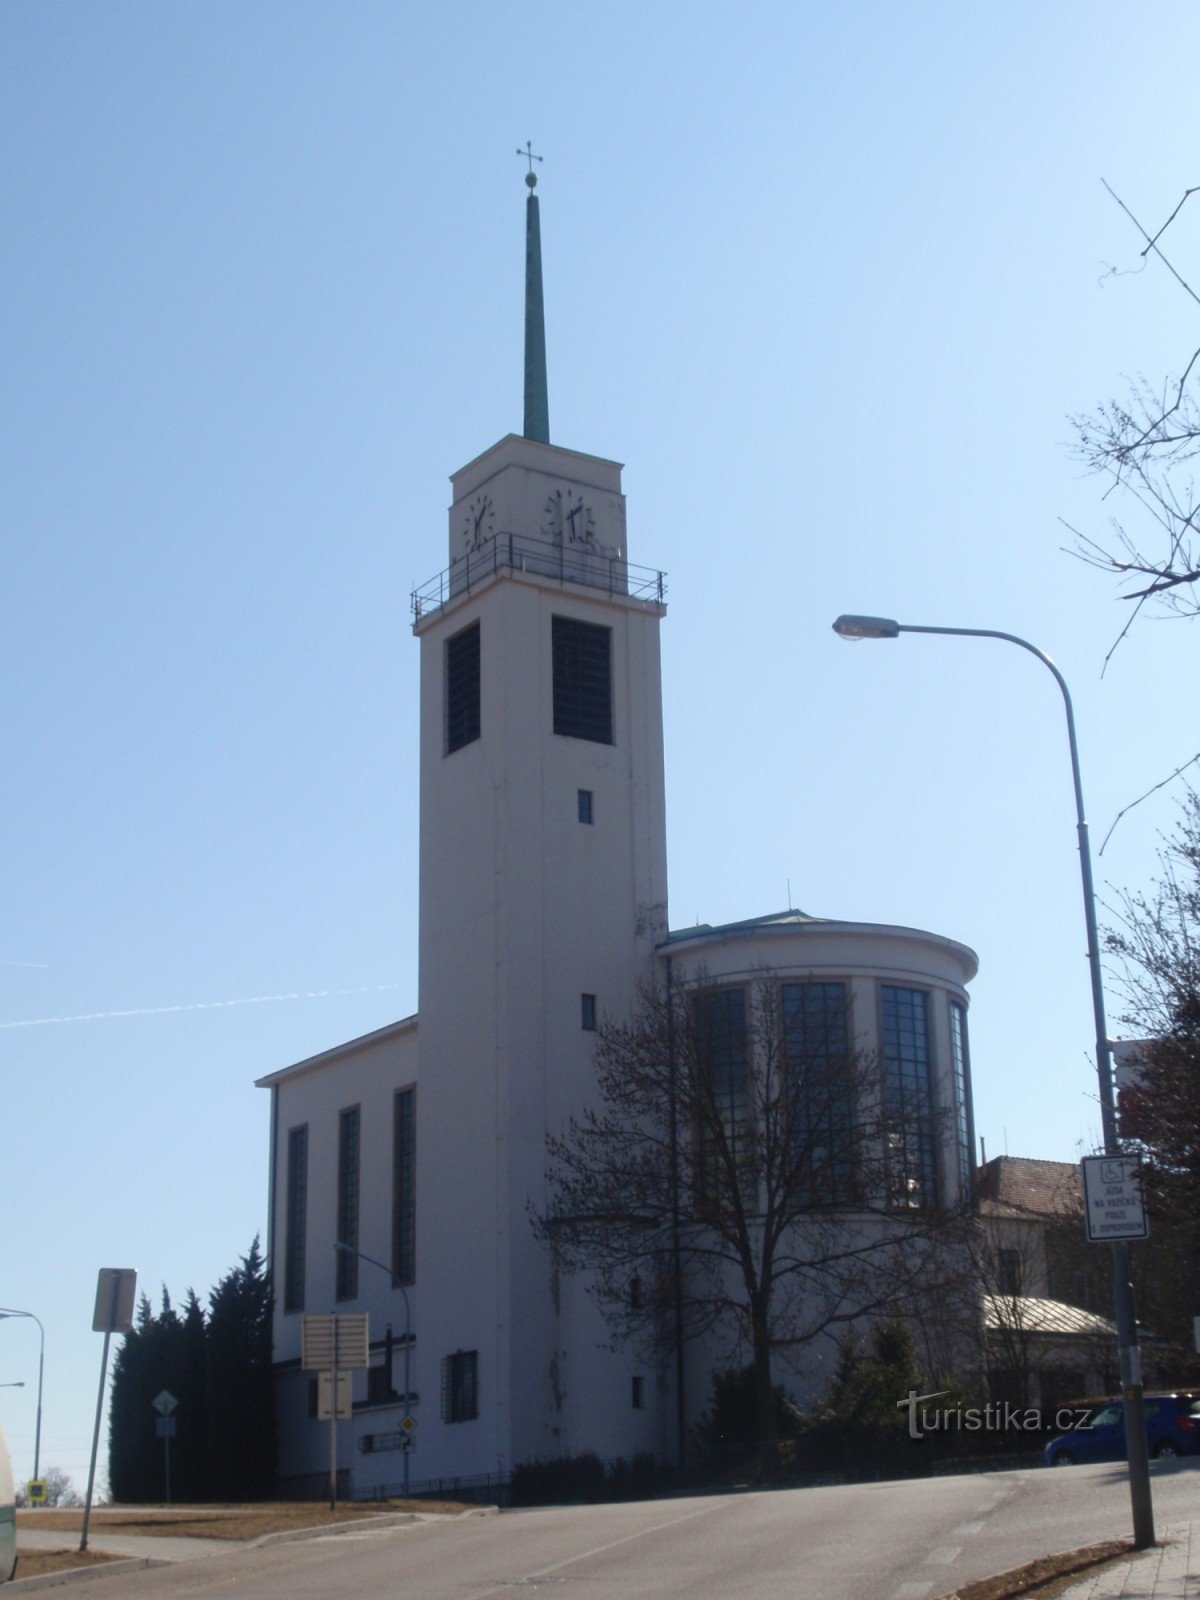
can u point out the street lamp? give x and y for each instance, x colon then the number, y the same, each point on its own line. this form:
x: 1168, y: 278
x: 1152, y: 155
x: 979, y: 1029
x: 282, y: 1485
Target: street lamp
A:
x: 857, y: 627
x: 9, y: 1311
x: 349, y: 1250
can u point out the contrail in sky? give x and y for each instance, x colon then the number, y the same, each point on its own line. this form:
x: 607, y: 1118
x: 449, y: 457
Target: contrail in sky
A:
x: 201, y: 1005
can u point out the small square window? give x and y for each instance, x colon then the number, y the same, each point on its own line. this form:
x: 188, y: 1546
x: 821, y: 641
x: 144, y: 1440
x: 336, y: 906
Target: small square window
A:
x: 639, y: 1394
x: 587, y: 1012
x: 585, y: 805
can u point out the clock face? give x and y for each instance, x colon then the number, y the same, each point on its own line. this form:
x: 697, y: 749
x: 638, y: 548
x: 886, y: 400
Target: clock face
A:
x: 478, y: 524
x: 568, y: 520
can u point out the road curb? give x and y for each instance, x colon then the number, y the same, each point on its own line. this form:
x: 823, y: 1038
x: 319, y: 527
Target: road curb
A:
x: 1034, y: 1576
x: 101, y: 1569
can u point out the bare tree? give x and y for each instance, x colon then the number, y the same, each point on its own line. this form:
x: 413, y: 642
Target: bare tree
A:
x: 1145, y: 446
x: 1156, y: 941
x: 746, y: 1171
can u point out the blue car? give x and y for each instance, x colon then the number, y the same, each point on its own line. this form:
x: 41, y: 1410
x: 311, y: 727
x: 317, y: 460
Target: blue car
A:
x: 1172, y: 1429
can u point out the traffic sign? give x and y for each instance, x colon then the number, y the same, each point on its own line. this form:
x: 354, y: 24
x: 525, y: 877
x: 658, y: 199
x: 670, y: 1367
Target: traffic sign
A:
x: 35, y: 1491
x: 339, y: 1340
x: 115, y: 1288
x: 166, y: 1427
x: 325, y: 1396
x: 1113, y: 1205
x: 164, y: 1402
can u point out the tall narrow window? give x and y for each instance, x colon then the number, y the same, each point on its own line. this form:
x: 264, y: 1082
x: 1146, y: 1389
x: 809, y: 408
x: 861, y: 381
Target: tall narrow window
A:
x: 587, y: 1012
x: 960, y: 1057
x: 820, y: 1107
x: 722, y: 1065
x: 404, y: 1186
x: 582, y: 653
x: 460, y: 1386
x: 585, y: 805
x: 462, y: 688
x: 908, y: 1096
x: 347, y: 1202
x: 297, y: 1219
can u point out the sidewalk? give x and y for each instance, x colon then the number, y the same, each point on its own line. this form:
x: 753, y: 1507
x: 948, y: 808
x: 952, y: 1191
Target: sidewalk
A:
x: 1171, y: 1571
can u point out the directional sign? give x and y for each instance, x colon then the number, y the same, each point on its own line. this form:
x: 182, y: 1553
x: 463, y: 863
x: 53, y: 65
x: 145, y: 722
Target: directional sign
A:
x: 339, y: 1340
x: 1112, y: 1198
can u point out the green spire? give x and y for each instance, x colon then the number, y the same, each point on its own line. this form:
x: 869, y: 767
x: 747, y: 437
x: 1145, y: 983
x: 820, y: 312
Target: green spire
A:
x: 537, y: 398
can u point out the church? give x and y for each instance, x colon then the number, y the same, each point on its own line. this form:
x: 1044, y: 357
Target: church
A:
x: 405, y: 1164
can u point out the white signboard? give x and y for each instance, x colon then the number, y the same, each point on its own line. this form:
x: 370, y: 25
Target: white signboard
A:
x: 115, y: 1289
x: 325, y: 1398
x: 1112, y: 1198
x: 342, y: 1336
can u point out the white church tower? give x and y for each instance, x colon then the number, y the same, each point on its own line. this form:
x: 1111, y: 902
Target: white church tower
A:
x: 542, y: 898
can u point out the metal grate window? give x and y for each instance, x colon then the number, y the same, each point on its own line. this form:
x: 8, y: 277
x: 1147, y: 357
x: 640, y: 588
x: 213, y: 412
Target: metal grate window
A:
x: 723, y: 1070
x: 816, y: 1041
x: 462, y: 688
x: 349, y: 1122
x: 582, y: 680
x: 297, y: 1219
x: 404, y: 1186
x: 908, y: 1096
x: 460, y: 1386
x: 960, y: 1060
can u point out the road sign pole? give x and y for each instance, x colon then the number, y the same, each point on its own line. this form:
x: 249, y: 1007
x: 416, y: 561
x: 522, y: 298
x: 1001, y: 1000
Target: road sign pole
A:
x: 333, y: 1411
x: 112, y: 1317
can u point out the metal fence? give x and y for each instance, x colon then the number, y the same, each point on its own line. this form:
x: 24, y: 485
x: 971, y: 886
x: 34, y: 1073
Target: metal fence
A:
x: 585, y: 564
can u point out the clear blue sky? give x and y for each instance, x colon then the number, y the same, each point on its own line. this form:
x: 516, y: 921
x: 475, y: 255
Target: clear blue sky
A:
x: 829, y: 279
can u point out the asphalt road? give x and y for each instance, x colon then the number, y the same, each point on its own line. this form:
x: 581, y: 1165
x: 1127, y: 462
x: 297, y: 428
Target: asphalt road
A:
x: 887, y: 1541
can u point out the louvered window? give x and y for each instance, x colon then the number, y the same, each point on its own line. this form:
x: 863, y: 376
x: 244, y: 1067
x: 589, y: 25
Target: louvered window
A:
x: 462, y: 688
x: 582, y: 680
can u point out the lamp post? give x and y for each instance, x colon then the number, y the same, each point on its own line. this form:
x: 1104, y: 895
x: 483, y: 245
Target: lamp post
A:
x: 9, y: 1311
x: 859, y: 627
x: 349, y: 1250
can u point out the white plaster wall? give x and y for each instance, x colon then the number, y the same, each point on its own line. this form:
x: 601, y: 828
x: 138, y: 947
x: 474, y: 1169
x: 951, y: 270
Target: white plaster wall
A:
x: 523, y: 909
x: 367, y: 1073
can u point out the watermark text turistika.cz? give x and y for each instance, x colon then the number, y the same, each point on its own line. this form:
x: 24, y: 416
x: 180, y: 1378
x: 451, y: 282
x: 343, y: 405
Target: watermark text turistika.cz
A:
x: 995, y: 1417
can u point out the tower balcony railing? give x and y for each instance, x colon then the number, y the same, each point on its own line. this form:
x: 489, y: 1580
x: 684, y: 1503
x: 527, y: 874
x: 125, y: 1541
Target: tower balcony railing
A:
x: 569, y: 563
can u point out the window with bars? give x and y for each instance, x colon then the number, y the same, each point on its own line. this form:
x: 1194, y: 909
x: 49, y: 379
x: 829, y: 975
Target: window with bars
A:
x: 460, y: 1386
x: 908, y: 1096
x: 723, y: 1069
x: 582, y: 660
x: 296, y: 1221
x: 349, y: 1122
x: 820, y: 1107
x: 404, y: 1186
x: 960, y: 1060
x: 462, y: 689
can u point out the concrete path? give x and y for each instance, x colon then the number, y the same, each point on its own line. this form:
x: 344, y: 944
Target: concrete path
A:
x: 1171, y: 1571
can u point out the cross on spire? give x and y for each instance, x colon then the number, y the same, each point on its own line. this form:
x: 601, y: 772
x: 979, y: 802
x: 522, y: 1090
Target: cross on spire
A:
x: 531, y: 176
